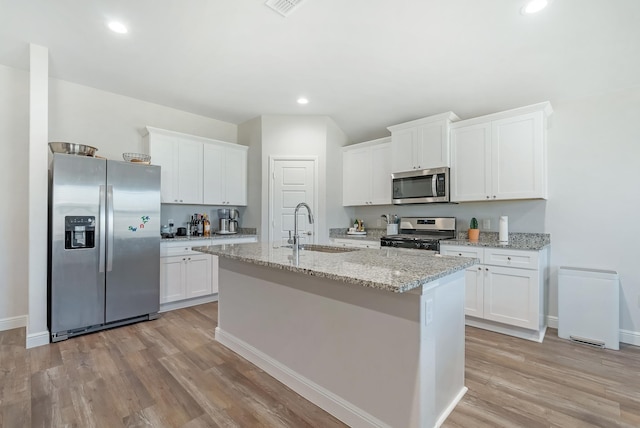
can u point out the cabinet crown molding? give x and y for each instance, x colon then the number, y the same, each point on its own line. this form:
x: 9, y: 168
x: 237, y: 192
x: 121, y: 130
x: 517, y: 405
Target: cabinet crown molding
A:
x: 367, y: 143
x: 545, y: 107
x: 158, y: 131
x: 450, y: 116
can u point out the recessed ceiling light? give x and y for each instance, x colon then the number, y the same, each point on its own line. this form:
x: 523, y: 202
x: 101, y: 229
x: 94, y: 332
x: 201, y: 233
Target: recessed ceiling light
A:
x: 303, y: 100
x: 534, y: 6
x: 117, y: 27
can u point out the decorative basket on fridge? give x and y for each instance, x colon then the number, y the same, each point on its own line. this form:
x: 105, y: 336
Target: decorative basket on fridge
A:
x: 137, y: 158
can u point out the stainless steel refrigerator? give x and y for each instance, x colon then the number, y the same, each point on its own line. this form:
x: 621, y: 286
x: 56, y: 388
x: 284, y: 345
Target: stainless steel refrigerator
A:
x: 104, y: 244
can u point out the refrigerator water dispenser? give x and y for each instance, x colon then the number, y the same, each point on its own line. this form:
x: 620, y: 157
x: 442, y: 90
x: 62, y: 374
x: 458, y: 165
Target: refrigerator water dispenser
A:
x: 79, y: 232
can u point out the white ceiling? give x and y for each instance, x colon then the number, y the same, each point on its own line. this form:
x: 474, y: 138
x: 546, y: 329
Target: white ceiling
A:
x: 367, y: 64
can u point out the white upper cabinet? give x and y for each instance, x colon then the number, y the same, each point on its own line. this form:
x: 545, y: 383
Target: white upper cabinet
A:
x: 367, y: 173
x: 181, y: 163
x: 225, y: 172
x: 197, y: 170
x: 500, y: 156
x: 422, y: 143
x: 190, y: 172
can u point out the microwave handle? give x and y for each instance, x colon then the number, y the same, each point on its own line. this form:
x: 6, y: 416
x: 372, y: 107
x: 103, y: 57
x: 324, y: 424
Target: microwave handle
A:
x: 434, y: 187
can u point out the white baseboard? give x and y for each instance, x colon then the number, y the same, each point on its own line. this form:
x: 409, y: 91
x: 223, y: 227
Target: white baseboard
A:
x: 630, y: 337
x: 323, y: 398
x: 522, y: 333
x: 171, y: 306
x: 626, y: 336
x: 13, y: 322
x: 38, y: 339
x: 450, y: 407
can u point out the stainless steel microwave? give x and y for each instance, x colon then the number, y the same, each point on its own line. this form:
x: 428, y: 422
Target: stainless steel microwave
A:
x: 422, y: 186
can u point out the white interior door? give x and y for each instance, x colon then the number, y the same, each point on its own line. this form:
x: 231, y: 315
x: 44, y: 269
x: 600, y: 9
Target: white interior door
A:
x: 293, y: 182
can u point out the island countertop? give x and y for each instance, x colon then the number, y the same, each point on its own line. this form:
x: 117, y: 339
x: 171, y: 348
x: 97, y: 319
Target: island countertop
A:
x: 391, y: 269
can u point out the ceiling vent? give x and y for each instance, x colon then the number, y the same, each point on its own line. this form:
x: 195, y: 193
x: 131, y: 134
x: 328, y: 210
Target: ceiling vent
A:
x: 284, y: 7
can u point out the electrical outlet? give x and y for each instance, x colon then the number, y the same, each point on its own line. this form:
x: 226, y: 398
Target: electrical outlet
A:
x: 379, y: 222
x: 486, y: 224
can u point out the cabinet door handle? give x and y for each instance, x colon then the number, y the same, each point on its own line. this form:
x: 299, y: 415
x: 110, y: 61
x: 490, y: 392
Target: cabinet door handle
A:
x: 189, y: 258
x: 488, y: 197
x: 494, y: 196
x: 460, y: 254
x: 184, y: 260
x: 487, y: 269
x: 508, y: 258
x: 479, y: 268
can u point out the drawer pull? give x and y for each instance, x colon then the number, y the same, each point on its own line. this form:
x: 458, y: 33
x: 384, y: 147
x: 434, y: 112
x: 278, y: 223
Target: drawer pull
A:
x: 508, y: 258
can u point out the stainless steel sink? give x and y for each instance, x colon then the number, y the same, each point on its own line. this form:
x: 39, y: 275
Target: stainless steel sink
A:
x: 323, y: 248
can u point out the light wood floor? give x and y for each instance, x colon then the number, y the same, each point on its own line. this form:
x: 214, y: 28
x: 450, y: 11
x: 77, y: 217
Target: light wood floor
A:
x: 171, y: 373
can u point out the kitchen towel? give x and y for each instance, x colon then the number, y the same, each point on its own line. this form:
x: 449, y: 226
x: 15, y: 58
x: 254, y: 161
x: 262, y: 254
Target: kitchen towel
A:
x: 503, y: 234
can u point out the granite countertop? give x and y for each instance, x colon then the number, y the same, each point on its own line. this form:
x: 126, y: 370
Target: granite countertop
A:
x: 517, y: 241
x: 212, y: 237
x: 391, y: 269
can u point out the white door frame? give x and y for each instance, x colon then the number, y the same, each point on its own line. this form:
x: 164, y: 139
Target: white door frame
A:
x: 316, y: 208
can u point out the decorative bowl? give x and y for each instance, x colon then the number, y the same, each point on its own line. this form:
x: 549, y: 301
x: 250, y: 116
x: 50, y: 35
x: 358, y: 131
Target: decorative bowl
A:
x: 72, y: 148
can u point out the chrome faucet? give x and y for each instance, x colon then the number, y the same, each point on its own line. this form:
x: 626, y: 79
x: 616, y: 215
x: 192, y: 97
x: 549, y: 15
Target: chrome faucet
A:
x: 295, y: 240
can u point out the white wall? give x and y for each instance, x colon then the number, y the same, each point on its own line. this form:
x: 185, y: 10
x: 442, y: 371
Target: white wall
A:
x: 37, y: 331
x: 304, y: 136
x: 594, y: 196
x: 336, y: 214
x: 14, y: 144
x: 111, y: 122
x: 250, y: 134
x: 115, y: 123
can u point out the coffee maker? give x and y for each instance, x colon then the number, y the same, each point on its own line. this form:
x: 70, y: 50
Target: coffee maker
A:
x: 227, y: 221
x: 234, y: 217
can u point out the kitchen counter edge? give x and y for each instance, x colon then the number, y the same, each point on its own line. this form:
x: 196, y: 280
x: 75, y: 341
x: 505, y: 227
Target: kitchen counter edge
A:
x: 209, y: 238
x: 517, y: 241
x: 361, y: 263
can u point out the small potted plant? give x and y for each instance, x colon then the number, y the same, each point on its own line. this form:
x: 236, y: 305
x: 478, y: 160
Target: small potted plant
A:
x: 474, y: 232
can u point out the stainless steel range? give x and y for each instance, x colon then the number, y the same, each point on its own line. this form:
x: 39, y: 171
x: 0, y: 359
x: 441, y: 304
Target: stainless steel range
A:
x: 423, y: 233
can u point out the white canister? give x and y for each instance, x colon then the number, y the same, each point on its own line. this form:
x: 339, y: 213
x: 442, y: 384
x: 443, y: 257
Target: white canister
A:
x: 503, y: 231
x: 392, y: 229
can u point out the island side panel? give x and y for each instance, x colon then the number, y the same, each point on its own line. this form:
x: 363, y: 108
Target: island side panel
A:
x: 449, y: 329
x: 365, y: 355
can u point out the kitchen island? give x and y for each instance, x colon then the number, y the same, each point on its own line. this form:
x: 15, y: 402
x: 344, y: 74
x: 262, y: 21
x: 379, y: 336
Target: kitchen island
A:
x: 374, y: 337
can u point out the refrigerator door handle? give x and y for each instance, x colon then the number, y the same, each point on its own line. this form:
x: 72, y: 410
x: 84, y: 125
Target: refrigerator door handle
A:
x: 102, y: 228
x: 109, y: 228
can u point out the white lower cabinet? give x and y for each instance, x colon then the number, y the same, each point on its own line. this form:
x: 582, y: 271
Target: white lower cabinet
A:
x: 474, y: 292
x: 184, y: 277
x: 189, y: 277
x: 508, y: 289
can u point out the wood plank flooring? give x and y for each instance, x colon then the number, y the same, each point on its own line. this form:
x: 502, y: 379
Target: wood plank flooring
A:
x: 170, y: 372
